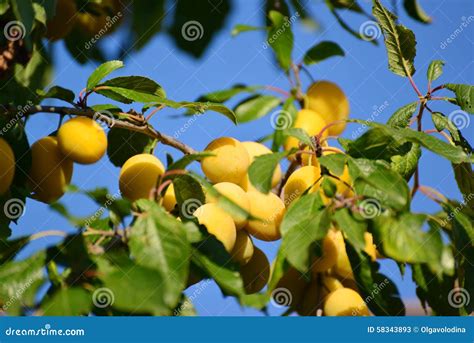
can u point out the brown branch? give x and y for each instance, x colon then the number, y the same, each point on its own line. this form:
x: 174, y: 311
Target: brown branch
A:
x: 144, y: 128
x: 416, y: 182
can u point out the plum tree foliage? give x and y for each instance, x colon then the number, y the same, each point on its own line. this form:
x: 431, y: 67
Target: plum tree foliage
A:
x: 331, y: 212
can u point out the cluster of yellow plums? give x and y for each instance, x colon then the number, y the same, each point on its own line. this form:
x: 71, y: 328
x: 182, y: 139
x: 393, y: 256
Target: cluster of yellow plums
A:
x: 68, y: 16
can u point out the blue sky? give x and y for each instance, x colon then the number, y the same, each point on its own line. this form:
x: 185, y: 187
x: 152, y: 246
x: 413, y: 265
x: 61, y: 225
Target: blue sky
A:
x: 373, y: 91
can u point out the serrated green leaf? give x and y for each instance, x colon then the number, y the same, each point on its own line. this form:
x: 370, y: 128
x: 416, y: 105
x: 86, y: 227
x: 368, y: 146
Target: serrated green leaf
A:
x: 158, y: 241
x: 280, y: 38
x: 334, y: 163
x: 321, y: 52
x: 406, y: 164
x: 401, y: 117
x: 465, y: 179
x: 399, y: 41
x: 354, y: 229
x: 464, y: 96
x: 262, y: 168
x: 255, y: 107
x: 123, y: 144
x: 435, y: 70
x: 189, y: 195
x: 102, y: 71
x: 57, y: 92
x: 128, y: 89
x: 305, y: 222
x: 226, y: 94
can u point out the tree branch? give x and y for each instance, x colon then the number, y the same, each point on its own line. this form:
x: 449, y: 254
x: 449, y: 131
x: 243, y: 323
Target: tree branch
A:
x: 141, y: 127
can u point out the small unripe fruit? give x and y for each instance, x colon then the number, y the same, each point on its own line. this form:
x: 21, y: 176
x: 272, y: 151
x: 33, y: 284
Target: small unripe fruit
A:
x: 139, y: 176
x: 50, y: 172
x: 301, y: 180
x: 64, y: 19
x: 255, y: 149
x: 7, y: 163
x: 328, y: 258
x: 256, y: 273
x: 345, y: 302
x: 169, y: 199
x: 310, y: 121
x: 243, y: 248
x: 217, y: 223
x: 230, y: 162
x: 329, y: 100
x: 238, y: 196
x: 82, y: 140
x: 268, y: 209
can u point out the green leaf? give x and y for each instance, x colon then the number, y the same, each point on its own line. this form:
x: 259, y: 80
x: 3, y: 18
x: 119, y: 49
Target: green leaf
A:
x: 19, y: 281
x: 399, y: 41
x: 189, y: 195
x: 305, y: 222
x: 322, y: 51
x: 123, y: 144
x: 10, y: 248
x: 375, y: 180
x: 158, y: 241
x: 144, y: 13
x: 226, y: 94
x: 354, y: 229
x: 406, y: 164
x: 262, y: 168
x: 57, y: 92
x: 188, y: 159
x: 404, y: 240
x: 68, y: 302
x: 128, y: 89
x: 442, y: 122
x: 134, y: 288
x: 401, y: 117
x: 380, y: 293
x: 415, y: 11
x: 280, y: 38
x: 465, y: 179
x: 464, y: 96
x: 435, y: 70
x: 25, y: 14
x: 239, y: 28
x: 102, y: 71
x: 4, y: 6
x: 255, y: 107
x: 300, y: 134
x: 334, y: 163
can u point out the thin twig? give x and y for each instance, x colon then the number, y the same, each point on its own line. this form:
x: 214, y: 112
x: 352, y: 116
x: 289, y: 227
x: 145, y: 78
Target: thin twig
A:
x: 143, y: 128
